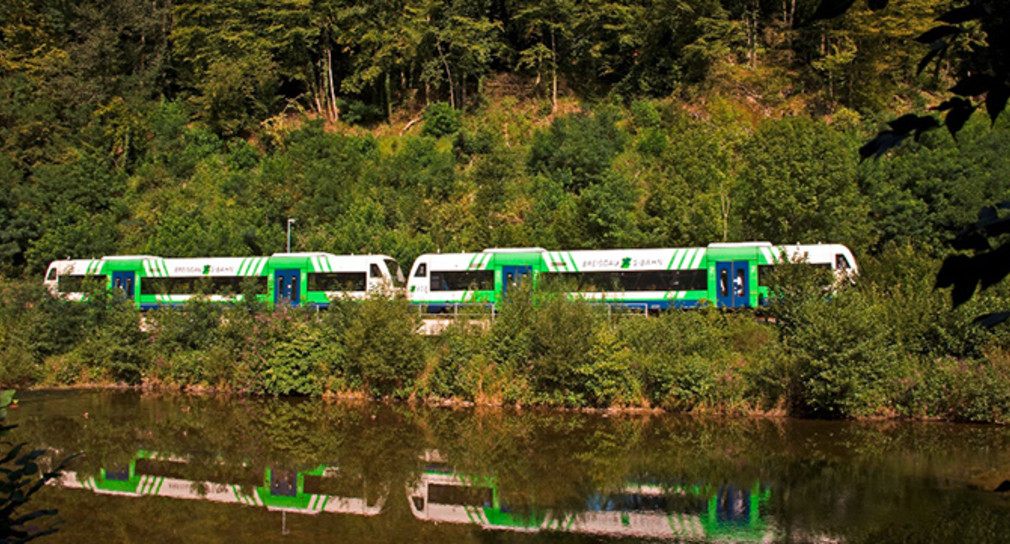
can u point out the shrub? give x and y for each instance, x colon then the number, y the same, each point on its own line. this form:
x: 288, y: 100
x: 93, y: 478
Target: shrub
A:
x: 611, y: 377
x: 847, y: 362
x: 963, y: 390
x: 452, y: 371
x: 440, y: 119
x: 356, y: 112
x: 511, y: 339
x: 297, y: 363
x: 114, y: 345
x: 382, y: 350
x: 562, y: 345
x: 704, y: 359
x: 17, y: 367
x: 479, y: 142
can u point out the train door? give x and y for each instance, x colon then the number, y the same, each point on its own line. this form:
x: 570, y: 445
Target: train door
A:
x: 286, y: 288
x: 283, y: 483
x: 124, y: 281
x: 514, y: 275
x: 732, y: 284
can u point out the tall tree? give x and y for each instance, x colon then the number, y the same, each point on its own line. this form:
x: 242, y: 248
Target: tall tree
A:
x: 546, y: 29
x: 466, y: 42
x: 380, y: 39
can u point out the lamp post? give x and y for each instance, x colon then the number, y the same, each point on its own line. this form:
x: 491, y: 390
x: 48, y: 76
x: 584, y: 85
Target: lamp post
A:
x: 290, y: 221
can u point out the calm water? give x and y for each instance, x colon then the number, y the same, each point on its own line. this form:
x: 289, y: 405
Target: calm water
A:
x: 192, y: 469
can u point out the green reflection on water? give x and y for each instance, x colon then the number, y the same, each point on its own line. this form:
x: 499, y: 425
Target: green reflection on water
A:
x: 378, y: 473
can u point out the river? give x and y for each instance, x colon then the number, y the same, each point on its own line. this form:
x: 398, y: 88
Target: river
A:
x: 178, y: 468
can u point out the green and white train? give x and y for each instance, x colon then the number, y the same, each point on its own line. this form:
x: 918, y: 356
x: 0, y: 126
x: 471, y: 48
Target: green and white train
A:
x: 728, y: 275
x: 292, y: 278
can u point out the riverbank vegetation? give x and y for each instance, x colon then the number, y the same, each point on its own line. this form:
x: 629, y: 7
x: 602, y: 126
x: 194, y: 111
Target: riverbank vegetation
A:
x: 189, y: 129
x: 888, y: 346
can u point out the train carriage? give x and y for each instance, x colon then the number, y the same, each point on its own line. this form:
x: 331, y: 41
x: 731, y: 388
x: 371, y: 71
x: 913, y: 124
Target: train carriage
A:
x: 282, y: 278
x: 728, y: 275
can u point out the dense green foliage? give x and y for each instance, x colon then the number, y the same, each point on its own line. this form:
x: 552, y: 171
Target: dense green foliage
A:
x: 185, y: 128
x: 198, y: 128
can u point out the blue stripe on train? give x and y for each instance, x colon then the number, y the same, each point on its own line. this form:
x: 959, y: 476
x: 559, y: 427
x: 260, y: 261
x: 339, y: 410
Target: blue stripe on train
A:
x: 156, y: 305
x: 629, y: 304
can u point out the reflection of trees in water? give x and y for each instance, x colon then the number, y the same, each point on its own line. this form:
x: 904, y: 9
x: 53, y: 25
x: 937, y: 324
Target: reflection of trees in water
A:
x: 834, y: 478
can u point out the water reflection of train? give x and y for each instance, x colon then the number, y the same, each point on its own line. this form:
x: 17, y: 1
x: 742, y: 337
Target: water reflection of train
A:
x: 662, y: 511
x: 308, y: 492
x: 440, y: 494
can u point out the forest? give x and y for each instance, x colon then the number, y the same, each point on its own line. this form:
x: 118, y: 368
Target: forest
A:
x: 184, y: 128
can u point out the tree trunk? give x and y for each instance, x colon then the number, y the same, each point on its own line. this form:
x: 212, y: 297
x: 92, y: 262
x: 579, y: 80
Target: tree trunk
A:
x: 334, y: 110
x: 725, y: 204
x: 554, y: 74
x: 448, y: 73
x: 389, y: 99
x: 319, y: 89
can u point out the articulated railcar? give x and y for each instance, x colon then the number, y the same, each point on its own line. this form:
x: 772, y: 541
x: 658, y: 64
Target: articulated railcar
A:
x: 288, y: 278
x: 728, y: 275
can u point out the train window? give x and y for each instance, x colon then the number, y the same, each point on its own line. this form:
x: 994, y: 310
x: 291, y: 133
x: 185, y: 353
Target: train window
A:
x: 337, y: 281
x: 470, y: 280
x: 739, y: 283
x: 119, y: 474
x: 460, y: 495
x: 51, y: 275
x: 336, y: 486
x: 280, y: 285
x: 688, y: 280
x: 422, y: 271
x: 647, y: 280
x: 841, y: 262
x: 253, y: 285
x: 373, y: 270
x: 283, y: 483
x: 204, y: 285
x: 766, y: 273
x: 394, y: 271
x: 724, y: 283
x: 161, y: 467
x: 294, y: 286
x: 75, y: 283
